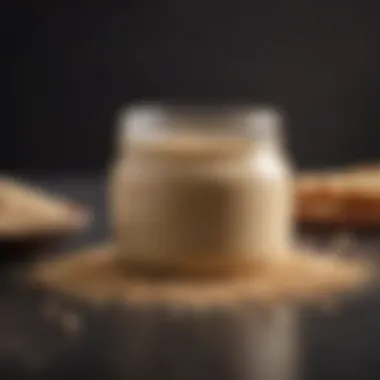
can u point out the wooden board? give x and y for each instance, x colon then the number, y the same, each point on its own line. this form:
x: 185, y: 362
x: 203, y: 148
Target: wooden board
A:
x: 345, y: 196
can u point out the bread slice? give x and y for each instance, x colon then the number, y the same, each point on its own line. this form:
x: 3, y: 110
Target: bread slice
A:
x: 350, y: 195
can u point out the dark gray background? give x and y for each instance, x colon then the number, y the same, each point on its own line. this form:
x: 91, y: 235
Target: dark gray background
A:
x: 72, y: 64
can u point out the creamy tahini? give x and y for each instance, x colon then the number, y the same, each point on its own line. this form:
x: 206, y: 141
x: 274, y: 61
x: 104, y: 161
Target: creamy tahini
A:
x: 180, y: 198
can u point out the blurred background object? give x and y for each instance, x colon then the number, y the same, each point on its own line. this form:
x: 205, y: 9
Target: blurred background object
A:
x: 30, y: 217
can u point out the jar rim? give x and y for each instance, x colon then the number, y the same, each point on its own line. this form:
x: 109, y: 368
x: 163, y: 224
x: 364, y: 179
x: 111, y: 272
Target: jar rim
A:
x: 211, y: 108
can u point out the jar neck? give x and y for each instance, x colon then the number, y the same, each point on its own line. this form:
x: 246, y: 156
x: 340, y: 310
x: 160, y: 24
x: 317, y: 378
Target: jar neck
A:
x: 156, y: 130
x: 202, y: 153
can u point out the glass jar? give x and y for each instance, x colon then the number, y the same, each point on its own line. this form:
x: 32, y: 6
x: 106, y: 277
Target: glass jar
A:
x: 201, y: 183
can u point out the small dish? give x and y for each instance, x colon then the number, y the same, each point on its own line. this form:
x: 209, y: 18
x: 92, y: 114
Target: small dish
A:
x: 31, y: 215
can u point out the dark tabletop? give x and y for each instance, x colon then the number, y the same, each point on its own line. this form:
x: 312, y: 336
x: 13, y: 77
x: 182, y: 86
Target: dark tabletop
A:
x: 41, y: 339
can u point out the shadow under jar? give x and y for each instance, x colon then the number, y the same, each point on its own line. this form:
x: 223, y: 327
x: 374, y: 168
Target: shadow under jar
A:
x: 210, y: 185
